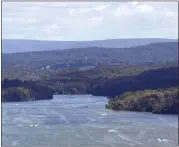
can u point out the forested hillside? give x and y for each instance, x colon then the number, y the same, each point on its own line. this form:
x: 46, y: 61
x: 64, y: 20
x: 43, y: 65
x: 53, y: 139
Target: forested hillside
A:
x: 92, y: 56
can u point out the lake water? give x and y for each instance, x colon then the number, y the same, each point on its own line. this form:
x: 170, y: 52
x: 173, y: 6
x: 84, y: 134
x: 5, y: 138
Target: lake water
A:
x: 65, y: 121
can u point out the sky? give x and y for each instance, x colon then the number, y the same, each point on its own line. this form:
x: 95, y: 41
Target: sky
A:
x: 78, y: 21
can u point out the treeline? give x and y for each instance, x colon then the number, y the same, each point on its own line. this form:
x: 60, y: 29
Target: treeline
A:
x: 101, y: 71
x: 148, y: 91
x: 152, y: 79
x: 81, y: 82
x: 16, y: 90
x: 110, y: 82
x: 160, y: 101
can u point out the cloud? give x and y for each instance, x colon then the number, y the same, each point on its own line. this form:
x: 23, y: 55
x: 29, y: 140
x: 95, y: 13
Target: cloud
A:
x: 146, y: 8
x: 19, y: 20
x: 134, y: 3
x: 53, y: 28
x: 89, y: 20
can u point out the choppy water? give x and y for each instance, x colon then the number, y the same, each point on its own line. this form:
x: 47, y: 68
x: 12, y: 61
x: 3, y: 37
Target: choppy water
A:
x: 65, y: 121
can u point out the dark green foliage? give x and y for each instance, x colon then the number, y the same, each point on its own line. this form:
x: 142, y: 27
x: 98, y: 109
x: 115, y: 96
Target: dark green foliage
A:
x: 109, y: 81
x: 152, y: 79
x: 163, y: 101
x: 16, y: 94
x: 15, y: 90
x: 11, y: 83
x: 106, y: 71
x: 100, y: 82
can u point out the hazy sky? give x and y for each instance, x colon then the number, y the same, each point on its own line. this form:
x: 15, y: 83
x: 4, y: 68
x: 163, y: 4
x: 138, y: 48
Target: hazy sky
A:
x: 89, y: 20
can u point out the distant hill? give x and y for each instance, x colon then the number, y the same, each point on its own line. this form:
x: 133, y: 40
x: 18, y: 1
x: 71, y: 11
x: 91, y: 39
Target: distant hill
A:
x: 93, y: 56
x: 15, y: 45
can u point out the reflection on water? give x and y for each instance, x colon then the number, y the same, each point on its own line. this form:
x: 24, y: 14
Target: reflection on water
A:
x: 65, y: 120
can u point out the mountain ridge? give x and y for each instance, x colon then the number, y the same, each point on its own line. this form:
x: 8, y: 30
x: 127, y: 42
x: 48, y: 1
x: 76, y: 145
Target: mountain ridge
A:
x: 93, y: 56
x: 23, y: 45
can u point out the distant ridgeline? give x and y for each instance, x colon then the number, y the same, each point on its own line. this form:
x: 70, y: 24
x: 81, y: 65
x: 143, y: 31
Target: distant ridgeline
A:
x: 16, y: 90
x: 91, y: 56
